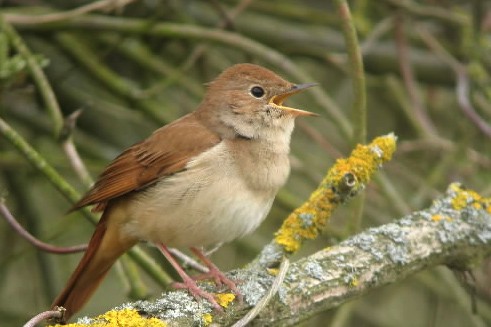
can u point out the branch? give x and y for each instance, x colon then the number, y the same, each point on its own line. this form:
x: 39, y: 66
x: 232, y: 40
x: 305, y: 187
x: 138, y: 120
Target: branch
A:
x: 101, y: 5
x: 5, y: 212
x: 455, y: 231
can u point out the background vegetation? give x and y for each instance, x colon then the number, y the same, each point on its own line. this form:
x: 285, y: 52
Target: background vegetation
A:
x: 130, y: 69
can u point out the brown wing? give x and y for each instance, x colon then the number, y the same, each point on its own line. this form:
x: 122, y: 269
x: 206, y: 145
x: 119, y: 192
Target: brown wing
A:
x: 165, y: 152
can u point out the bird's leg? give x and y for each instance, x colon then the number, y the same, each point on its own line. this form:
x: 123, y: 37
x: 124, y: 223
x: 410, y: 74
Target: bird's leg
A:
x: 215, y: 273
x: 187, y: 282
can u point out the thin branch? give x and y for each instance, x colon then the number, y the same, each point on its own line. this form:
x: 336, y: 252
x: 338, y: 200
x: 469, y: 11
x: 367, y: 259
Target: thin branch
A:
x: 37, y: 319
x: 5, y: 212
x: 34, y: 158
x: 226, y: 22
x: 244, y: 321
x: 102, y: 5
x: 38, y: 76
x: 466, y: 105
x: 188, y: 261
x: 359, y: 112
x: 71, y: 151
x: 357, y: 74
x: 431, y: 12
x: 425, y: 125
x: 462, y: 87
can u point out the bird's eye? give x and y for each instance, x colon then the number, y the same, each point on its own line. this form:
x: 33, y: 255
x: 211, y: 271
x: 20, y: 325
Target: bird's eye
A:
x: 257, y: 91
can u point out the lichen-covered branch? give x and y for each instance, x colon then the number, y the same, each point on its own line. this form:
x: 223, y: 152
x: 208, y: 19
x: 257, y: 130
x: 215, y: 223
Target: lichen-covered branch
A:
x: 455, y: 231
x: 345, y: 179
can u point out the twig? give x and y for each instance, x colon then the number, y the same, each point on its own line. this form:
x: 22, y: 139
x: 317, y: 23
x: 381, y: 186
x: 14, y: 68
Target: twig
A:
x: 357, y: 74
x: 226, y: 22
x: 126, y: 88
x: 187, y: 260
x: 359, y: 115
x: 466, y: 105
x: 382, y: 27
x: 424, y: 126
x: 254, y: 312
x: 102, y: 5
x: 42, y: 165
x: 199, y: 50
x: 71, y: 151
x: 462, y: 87
x: 38, y: 76
x: 34, y: 321
x: 5, y: 212
x: 430, y: 12
x: 441, y: 144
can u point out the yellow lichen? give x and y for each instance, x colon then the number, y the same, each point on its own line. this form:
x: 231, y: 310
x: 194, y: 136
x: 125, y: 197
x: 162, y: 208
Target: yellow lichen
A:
x: 437, y: 217
x: 120, y: 318
x: 224, y: 299
x: 347, y: 177
x: 207, y: 319
x: 354, y: 282
x: 464, y: 197
x: 273, y: 271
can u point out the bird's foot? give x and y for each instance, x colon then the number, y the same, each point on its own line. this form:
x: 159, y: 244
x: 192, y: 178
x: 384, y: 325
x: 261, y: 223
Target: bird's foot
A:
x: 187, y: 282
x: 190, y: 285
x: 215, y: 274
x: 220, y: 279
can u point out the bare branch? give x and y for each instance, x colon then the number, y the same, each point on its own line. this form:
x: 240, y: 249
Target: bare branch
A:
x: 5, y: 212
x: 102, y: 5
x: 43, y: 316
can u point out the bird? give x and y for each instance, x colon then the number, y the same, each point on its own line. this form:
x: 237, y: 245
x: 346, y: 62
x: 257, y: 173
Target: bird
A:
x: 206, y: 178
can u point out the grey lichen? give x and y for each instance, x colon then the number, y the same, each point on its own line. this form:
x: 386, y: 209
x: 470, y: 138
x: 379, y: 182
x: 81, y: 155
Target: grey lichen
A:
x: 314, y: 269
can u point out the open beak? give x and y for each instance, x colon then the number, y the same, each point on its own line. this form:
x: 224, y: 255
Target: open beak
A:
x: 278, y: 100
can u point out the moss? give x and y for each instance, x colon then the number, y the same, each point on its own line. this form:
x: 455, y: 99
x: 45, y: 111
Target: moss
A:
x: 344, y: 180
x: 120, y: 318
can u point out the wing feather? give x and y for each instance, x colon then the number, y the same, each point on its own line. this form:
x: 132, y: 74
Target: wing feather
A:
x: 165, y: 152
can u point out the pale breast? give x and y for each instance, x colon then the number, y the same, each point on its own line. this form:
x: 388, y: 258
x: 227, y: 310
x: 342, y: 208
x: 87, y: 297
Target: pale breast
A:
x: 212, y: 201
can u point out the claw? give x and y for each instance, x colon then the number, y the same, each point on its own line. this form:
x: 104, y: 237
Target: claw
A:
x: 189, y: 283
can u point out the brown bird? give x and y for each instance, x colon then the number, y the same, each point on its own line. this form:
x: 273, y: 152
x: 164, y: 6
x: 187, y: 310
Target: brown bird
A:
x: 206, y: 178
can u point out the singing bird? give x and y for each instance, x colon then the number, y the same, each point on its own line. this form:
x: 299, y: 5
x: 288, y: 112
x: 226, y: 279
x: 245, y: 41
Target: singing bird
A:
x: 206, y: 178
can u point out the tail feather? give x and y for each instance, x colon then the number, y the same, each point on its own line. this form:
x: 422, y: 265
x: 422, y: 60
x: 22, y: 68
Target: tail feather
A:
x: 105, y: 246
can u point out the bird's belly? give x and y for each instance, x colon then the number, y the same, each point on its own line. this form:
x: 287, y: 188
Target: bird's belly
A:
x: 187, y: 210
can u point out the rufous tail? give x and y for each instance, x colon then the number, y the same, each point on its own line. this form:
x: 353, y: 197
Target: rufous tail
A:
x: 105, y: 246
